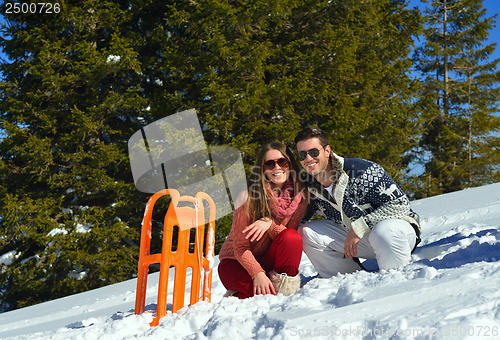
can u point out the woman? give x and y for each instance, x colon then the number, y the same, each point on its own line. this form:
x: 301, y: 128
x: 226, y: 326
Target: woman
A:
x: 264, y: 237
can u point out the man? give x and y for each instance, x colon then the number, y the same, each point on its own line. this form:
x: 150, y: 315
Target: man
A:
x: 367, y: 214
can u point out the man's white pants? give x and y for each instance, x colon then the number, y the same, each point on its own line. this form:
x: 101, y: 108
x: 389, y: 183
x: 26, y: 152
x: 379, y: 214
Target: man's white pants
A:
x: 390, y: 242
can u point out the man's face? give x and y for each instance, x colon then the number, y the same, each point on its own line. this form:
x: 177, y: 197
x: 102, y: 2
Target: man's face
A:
x: 314, y: 165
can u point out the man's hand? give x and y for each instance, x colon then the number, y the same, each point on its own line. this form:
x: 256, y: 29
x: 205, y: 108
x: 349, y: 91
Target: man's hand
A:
x: 257, y: 229
x: 262, y: 285
x: 351, y: 244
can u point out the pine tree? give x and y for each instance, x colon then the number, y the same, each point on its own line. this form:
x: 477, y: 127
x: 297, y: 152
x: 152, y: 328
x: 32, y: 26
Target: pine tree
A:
x: 69, y: 102
x: 259, y: 71
x: 461, y: 90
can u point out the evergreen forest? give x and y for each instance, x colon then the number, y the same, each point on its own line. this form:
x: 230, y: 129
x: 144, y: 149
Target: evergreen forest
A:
x: 413, y: 89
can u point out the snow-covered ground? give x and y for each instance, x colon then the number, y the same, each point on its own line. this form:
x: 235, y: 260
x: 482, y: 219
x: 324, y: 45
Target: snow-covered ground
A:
x: 451, y: 290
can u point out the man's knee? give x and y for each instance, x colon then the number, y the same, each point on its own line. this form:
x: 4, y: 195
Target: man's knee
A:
x: 392, y: 241
x: 303, y: 231
x: 305, y: 234
x: 308, y: 231
x: 388, y: 231
x: 310, y: 234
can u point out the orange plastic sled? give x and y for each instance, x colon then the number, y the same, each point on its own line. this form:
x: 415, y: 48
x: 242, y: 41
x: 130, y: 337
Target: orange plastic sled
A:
x: 185, y: 218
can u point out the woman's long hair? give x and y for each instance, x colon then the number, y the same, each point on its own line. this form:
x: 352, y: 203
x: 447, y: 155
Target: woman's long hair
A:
x: 257, y: 200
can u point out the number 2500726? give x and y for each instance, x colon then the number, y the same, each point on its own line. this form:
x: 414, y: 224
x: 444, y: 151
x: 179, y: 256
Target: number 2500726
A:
x: 40, y: 7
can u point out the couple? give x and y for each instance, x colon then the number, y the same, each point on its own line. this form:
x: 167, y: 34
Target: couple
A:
x: 367, y: 215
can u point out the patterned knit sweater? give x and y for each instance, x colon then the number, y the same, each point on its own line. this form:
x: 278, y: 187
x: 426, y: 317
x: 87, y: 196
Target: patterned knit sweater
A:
x: 364, y: 194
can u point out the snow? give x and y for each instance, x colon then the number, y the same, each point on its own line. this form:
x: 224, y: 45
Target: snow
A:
x: 7, y: 258
x: 449, y: 291
x: 113, y: 59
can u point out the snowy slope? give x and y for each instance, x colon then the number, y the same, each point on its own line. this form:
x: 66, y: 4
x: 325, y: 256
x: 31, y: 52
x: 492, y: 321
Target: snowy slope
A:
x: 449, y: 291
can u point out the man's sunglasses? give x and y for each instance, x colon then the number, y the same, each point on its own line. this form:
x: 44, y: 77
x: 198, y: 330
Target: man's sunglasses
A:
x: 282, y: 162
x: 314, y: 152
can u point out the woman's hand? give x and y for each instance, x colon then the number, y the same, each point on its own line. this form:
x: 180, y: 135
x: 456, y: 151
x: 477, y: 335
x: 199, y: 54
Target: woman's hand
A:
x: 257, y: 229
x: 262, y: 285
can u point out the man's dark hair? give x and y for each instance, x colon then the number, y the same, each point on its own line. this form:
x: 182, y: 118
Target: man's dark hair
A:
x: 311, y: 132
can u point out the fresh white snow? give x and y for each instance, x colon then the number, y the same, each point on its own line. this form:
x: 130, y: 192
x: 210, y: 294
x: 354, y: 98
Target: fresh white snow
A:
x: 449, y: 291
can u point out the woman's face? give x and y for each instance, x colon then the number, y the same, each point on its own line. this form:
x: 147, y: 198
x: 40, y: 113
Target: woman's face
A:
x: 276, y: 168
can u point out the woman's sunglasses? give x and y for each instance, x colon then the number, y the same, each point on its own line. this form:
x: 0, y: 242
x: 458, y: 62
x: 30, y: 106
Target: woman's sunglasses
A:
x: 314, y: 152
x: 282, y: 162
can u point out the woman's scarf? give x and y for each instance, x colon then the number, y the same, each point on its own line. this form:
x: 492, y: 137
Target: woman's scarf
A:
x: 285, y: 203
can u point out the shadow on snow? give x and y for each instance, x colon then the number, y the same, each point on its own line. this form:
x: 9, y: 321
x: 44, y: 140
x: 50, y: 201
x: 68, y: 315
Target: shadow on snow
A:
x: 458, y: 249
